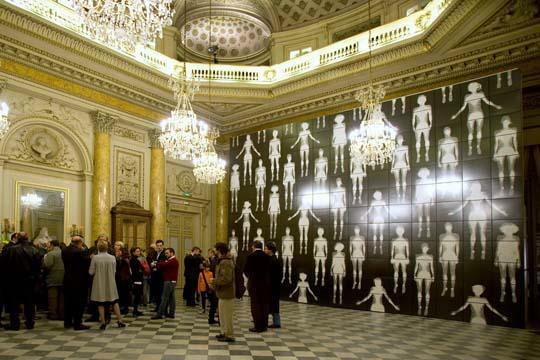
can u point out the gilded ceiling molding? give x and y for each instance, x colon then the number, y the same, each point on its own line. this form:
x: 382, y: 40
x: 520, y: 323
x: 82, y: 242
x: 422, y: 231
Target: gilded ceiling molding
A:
x: 28, y: 73
x: 457, y: 13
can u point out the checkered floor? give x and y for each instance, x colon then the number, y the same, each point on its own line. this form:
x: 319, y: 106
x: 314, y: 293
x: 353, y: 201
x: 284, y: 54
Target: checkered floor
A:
x: 309, y: 332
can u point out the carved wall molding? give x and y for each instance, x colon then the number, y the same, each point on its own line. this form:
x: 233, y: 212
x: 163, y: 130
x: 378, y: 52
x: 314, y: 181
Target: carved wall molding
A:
x: 128, y: 133
x: 128, y: 175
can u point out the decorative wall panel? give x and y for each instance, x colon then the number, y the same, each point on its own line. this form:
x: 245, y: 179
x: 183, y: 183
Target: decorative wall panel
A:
x: 128, y: 176
x: 437, y: 232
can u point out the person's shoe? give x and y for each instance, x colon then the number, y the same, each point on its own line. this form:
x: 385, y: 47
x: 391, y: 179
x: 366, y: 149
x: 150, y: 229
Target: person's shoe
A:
x: 120, y: 324
x: 274, y: 326
x: 29, y: 326
x: 10, y: 328
x: 81, y: 327
x: 213, y: 322
x: 156, y: 317
x: 255, y: 330
x: 226, y: 339
x: 220, y: 336
x: 169, y: 316
x: 202, y: 311
x: 68, y: 326
x: 102, y: 326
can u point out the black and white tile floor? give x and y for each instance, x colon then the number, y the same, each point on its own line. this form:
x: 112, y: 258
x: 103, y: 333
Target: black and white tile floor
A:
x: 309, y: 332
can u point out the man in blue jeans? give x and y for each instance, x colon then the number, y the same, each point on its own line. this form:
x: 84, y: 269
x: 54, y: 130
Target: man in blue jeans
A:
x: 169, y: 268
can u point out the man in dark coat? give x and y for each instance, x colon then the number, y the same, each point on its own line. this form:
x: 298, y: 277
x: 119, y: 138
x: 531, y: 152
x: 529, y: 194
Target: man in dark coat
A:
x: 257, y: 270
x: 76, y: 279
x: 192, y: 265
x: 276, y: 273
x: 23, y: 263
x: 156, y: 277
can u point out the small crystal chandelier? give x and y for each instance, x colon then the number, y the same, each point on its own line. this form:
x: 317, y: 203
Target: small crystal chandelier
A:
x: 125, y: 23
x: 4, y: 121
x: 209, y: 168
x: 183, y: 136
x: 374, y: 141
x: 31, y: 200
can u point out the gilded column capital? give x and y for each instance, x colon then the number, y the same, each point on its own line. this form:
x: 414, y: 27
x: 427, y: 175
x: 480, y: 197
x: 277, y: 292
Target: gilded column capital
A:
x: 153, y: 136
x: 103, y: 122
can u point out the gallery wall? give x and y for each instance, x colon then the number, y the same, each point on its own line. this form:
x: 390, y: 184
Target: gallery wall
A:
x: 436, y: 232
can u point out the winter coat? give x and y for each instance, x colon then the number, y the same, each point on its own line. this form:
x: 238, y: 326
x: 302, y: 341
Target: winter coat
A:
x: 103, y: 267
x: 54, y: 267
x: 223, y: 282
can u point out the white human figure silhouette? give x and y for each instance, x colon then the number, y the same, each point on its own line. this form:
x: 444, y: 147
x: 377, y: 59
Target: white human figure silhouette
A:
x: 424, y: 197
x: 321, y: 169
x: 378, y: 205
x: 274, y: 154
x: 450, y: 93
x: 338, y: 271
x: 359, y: 117
x: 424, y: 275
x: 449, y: 257
x: 422, y: 121
x: 303, y: 224
x: 507, y: 257
x: 321, y: 119
x: 400, y: 166
x: 394, y: 101
x: 358, y: 173
x: 287, y: 253
x: 288, y: 181
x: 508, y: 78
x: 234, y: 186
x: 302, y: 286
x: 339, y: 140
x: 478, y: 217
x: 448, y: 154
x: 303, y: 137
x: 260, y: 185
x: 357, y: 248
x: 261, y: 134
x: 273, y: 210
x: 399, y: 258
x: 477, y: 303
x: 377, y: 292
x: 233, y: 244
x: 259, y: 236
x: 476, y: 115
x: 289, y: 128
x: 506, y: 148
x: 339, y: 207
x: 246, y: 225
x: 320, y: 252
x: 248, y: 158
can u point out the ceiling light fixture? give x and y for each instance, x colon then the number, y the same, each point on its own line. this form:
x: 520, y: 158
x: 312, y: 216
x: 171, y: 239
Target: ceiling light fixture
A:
x: 209, y: 168
x: 125, y: 23
x: 374, y: 142
x: 183, y: 136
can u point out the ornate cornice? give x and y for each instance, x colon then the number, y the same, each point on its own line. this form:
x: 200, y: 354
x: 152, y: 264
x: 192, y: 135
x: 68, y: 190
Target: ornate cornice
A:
x: 103, y: 122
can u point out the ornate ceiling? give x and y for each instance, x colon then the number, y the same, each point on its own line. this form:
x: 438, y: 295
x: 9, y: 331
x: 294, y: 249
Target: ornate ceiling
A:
x: 235, y: 36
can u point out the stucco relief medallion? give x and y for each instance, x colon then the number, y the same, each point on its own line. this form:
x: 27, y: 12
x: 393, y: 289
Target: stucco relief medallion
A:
x: 43, y: 145
x: 185, y: 181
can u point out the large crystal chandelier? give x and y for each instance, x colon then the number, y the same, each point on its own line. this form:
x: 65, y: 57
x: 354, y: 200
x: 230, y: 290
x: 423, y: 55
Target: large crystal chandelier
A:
x: 4, y: 121
x: 125, y: 23
x: 374, y: 141
x: 183, y: 136
x: 209, y: 168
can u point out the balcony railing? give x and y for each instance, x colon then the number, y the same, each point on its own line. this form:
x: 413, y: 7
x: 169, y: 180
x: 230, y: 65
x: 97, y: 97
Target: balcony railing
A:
x: 382, y: 36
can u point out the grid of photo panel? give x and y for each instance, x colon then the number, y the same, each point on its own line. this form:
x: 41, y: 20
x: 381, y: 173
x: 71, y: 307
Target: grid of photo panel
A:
x: 436, y: 232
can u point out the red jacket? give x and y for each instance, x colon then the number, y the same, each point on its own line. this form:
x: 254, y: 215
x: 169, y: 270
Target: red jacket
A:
x: 169, y: 269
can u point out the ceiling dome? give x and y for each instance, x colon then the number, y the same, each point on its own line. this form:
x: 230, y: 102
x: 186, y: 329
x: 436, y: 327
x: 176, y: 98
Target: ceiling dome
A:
x: 236, y: 37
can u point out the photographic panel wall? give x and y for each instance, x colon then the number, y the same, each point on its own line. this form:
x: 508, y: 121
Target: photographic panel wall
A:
x: 437, y: 232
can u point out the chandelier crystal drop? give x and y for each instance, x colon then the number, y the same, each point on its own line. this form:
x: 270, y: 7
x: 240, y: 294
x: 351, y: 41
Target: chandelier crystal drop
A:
x: 183, y: 137
x: 374, y: 142
x: 125, y: 23
x: 4, y: 121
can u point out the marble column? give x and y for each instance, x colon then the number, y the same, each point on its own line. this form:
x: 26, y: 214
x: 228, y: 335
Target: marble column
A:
x: 158, y: 201
x: 101, y: 184
x: 167, y: 44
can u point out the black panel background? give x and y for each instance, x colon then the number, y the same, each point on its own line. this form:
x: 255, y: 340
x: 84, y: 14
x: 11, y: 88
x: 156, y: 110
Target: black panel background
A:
x: 472, y: 168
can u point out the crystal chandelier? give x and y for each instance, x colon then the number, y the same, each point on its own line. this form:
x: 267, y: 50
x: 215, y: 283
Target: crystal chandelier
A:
x: 125, y: 23
x: 183, y: 136
x: 4, y: 122
x: 374, y: 141
x: 209, y: 168
x: 31, y: 200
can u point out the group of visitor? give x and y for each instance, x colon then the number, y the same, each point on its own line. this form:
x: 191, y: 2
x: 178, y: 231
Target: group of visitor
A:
x: 106, y: 279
